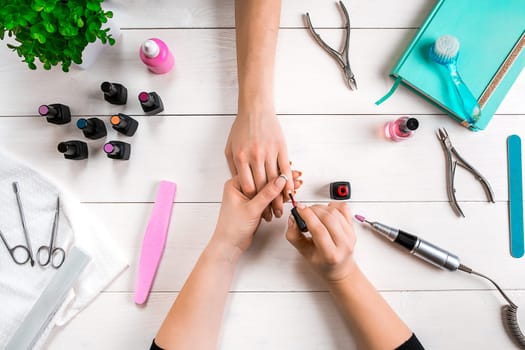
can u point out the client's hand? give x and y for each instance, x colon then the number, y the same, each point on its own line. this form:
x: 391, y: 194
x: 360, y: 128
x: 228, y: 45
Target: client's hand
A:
x: 256, y: 151
x: 240, y: 216
x: 330, y: 247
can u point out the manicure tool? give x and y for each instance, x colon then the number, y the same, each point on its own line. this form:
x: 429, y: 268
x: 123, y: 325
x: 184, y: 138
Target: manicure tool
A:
x: 451, y: 171
x: 51, y: 252
x: 515, y: 196
x: 298, y: 219
x: 16, y: 189
x: 154, y: 240
x: 20, y: 258
x: 340, y: 57
x: 49, y: 302
x: 446, y: 260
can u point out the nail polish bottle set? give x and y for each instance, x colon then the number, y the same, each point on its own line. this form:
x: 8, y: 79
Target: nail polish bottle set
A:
x: 95, y: 128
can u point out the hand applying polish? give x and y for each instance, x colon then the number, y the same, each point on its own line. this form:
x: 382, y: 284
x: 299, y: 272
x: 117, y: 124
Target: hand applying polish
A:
x: 298, y: 219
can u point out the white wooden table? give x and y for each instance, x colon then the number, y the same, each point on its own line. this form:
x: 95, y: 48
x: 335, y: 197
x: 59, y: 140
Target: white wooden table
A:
x: 276, y: 301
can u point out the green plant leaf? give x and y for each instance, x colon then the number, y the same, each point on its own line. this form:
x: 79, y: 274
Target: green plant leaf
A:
x: 90, y: 37
x: 38, y: 32
x: 53, y: 31
x: 93, y: 5
x: 50, y: 27
x: 37, y: 7
x: 49, y: 5
x: 30, y: 16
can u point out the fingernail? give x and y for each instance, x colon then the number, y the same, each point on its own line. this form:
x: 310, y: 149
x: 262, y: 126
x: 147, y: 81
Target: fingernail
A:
x: 300, y: 205
x: 299, y: 172
x: 281, y: 180
x: 278, y: 213
x: 291, y: 221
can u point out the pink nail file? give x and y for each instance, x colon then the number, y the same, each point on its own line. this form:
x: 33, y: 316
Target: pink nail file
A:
x: 154, y: 240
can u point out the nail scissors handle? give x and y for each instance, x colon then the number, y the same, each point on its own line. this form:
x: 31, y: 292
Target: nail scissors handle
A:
x: 48, y: 254
x: 16, y: 189
x: 23, y: 255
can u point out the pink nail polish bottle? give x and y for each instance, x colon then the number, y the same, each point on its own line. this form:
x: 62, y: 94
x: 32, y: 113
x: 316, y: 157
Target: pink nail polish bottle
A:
x: 156, y: 56
x: 401, y: 129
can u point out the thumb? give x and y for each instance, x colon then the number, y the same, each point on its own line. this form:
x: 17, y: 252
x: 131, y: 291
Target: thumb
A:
x: 297, y: 238
x: 268, y: 193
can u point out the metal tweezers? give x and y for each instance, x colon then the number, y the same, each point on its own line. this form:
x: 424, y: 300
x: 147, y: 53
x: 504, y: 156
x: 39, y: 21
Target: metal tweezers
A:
x: 451, y: 171
x: 340, y: 57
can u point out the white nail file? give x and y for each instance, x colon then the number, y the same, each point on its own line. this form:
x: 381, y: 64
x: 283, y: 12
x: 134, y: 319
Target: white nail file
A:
x: 49, y: 302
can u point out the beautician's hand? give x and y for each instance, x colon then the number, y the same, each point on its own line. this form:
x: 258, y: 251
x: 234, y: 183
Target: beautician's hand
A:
x: 240, y: 216
x: 256, y: 153
x: 330, y: 247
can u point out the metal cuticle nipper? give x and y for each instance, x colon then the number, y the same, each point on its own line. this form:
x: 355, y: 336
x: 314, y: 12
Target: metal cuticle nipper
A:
x: 340, y: 57
x: 451, y: 171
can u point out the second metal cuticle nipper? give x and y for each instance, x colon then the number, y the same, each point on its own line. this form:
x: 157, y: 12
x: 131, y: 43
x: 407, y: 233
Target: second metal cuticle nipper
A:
x: 340, y: 57
x: 451, y: 171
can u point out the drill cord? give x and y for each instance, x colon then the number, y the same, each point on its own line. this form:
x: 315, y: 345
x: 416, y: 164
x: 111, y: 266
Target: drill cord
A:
x: 509, y: 312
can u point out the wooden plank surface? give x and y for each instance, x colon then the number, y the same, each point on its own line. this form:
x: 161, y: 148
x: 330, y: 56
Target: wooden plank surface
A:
x: 272, y: 264
x: 219, y: 13
x: 308, y: 321
x: 308, y: 80
x: 348, y: 148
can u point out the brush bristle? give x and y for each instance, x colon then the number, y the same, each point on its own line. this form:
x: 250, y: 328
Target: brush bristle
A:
x: 360, y: 218
x: 445, y: 49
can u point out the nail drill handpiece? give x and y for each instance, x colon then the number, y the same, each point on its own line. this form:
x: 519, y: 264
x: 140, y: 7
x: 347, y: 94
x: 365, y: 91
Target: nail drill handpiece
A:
x: 417, y: 246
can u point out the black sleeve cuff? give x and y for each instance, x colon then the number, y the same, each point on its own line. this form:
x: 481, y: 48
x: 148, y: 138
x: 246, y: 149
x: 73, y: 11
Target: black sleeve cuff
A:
x: 155, y: 346
x: 411, y: 344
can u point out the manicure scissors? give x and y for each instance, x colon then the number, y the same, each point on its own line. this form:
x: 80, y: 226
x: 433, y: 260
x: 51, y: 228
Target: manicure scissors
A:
x: 23, y: 255
x: 51, y: 255
x: 16, y: 189
x: 340, y: 57
x: 451, y: 171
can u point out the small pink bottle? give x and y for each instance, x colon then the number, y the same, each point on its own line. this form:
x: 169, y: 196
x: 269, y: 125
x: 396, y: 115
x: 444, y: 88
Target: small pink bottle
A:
x: 156, y: 56
x: 401, y: 129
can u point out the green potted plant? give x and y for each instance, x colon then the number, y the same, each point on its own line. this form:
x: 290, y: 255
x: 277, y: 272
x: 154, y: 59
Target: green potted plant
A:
x: 54, y: 31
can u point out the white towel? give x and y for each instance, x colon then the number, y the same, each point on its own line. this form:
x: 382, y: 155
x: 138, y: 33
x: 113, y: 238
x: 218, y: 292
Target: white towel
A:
x: 21, y: 285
